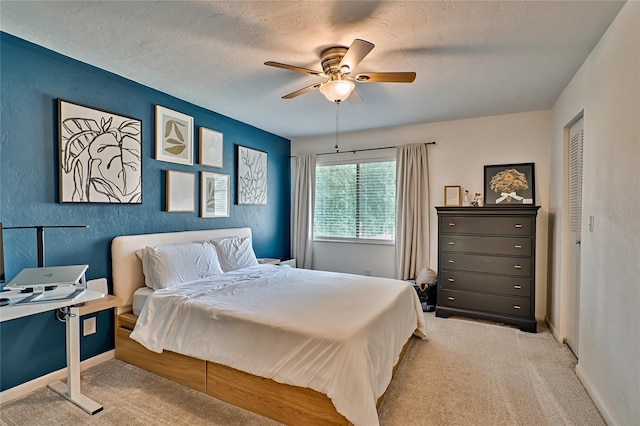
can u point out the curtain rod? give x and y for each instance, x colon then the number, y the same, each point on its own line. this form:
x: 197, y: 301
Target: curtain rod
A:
x: 361, y: 150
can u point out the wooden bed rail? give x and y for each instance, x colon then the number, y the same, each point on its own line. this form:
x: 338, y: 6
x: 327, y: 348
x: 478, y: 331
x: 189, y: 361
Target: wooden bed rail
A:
x: 281, y: 402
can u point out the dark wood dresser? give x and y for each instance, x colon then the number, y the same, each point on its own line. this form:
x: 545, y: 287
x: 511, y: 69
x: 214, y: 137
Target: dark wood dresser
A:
x: 486, y: 263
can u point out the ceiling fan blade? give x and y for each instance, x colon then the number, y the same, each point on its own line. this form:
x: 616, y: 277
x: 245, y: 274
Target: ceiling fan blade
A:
x: 301, y: 91
x: 356, y: 53
x: 294, y: 68
x: 386, y: 77
x: 354, y: 98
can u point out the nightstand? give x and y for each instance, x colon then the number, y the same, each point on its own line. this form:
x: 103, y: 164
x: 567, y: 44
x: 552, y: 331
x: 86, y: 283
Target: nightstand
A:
x: 289, y: 262
x: 274, y: 261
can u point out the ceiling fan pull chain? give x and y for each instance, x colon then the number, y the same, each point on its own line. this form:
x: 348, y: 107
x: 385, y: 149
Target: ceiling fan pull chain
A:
x: 337, y: 126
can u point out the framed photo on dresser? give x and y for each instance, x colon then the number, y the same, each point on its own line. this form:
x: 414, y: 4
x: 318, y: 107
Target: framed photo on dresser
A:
x: 452, y: 195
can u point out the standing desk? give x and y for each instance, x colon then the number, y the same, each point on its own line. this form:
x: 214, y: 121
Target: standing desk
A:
x: 70, y: 390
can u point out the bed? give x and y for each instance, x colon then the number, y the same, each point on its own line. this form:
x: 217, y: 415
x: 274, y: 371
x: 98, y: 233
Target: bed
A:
x: 297, y: 346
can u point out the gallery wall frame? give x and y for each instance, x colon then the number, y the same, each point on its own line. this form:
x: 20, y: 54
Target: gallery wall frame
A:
x: 180, y: 191
x: 211, y: 148
x: 251, y: 182
x: 509, y: 184
x: 100, y: 156
x: 214, y: 194
x: 174, y: 136
x: 452, y: 195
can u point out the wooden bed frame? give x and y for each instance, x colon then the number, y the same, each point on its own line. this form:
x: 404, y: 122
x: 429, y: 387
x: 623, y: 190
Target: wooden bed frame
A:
x: 284, y: 403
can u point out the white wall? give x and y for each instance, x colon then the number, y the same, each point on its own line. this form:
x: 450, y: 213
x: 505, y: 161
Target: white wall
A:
x: 462, y: 150
x: 607, y: 89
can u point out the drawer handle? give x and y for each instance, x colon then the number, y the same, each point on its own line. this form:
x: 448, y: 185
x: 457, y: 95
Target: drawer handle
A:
x: 451, y: 243
x: 517, y: 225
x: 451, y: 298
x: 452, y: 261
x: 452, y: 224
x: 518, y: 246
x: 517, y: 307
x: 451, y: 280
x: 517, y: 266
x: 517, y: 287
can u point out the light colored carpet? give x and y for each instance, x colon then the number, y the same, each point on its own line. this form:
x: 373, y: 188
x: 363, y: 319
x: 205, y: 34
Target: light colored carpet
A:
x: 467, y: 373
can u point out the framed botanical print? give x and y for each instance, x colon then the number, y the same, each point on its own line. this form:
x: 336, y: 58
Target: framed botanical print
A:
x: 214, y: 194
x: 252, y: 176
x: 509, y: 184
x: 211, y: 148
x: 100, y: 156
x: 174, y: 136
x: 180, y: 191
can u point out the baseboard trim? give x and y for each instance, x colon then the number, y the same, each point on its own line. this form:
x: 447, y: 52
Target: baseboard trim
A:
x: 595, y: 397
x: 554, y: 331
x: 19, y: 391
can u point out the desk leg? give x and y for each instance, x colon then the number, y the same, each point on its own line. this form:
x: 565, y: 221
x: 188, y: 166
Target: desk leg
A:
x: 71, y: 390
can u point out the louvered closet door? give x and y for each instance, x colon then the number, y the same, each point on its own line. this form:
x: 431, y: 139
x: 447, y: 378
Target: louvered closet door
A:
x: 576, y: 142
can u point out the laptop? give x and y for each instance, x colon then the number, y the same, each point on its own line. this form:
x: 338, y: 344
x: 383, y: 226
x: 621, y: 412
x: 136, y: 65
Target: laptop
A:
x: 49, y: 276
x: 45, y: 282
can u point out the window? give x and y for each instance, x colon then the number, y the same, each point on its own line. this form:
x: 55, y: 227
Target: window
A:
x: 356, y: 201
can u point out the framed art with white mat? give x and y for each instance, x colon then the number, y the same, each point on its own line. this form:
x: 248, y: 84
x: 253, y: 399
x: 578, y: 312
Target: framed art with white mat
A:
x: 252, y: 176
x: 174, y: 136
x: 211, y: 148
x: 100, y: 156
x: 180, y: 191
x: 214, y: 195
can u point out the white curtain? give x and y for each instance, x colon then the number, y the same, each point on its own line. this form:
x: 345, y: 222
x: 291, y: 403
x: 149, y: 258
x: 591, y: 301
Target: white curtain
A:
x: 303, y: 204
x: 412, y: 210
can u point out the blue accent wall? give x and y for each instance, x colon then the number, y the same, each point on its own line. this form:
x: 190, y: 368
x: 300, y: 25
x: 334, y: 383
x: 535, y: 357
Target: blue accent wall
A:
x: 32, y: 79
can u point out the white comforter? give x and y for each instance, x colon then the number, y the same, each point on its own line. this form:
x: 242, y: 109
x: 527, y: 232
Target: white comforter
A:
x: 336, y: 333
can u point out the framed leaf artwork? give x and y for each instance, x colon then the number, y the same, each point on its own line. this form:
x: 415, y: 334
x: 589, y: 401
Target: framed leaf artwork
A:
x: 252, y: 176
x: 100, y: 156
x: 174, y: 136
x: 214, y: 194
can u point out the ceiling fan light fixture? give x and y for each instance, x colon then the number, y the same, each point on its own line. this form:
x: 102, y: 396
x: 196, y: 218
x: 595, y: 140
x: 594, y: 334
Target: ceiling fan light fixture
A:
x: 337, y: 90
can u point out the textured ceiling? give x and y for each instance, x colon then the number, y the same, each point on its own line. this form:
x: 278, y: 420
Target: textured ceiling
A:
x: 471, y: 58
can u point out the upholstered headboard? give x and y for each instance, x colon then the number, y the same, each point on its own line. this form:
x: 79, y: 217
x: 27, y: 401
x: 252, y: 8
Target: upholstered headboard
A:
x: 126, y: 268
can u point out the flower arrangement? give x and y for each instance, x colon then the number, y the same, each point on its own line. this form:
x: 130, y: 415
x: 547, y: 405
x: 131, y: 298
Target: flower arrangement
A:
x: 507, y: 183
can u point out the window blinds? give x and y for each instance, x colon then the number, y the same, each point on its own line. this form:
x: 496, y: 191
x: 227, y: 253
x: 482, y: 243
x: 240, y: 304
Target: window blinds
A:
x: 355, y: 200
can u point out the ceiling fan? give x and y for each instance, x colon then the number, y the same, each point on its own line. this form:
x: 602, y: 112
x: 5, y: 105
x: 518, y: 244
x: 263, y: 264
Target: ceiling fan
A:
x: 338, y: 64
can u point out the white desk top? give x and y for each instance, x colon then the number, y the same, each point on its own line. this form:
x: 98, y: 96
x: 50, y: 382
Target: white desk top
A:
x: 12, y: 311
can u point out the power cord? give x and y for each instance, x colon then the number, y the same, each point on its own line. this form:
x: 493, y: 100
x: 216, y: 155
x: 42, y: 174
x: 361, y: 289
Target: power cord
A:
x: 63, y: 314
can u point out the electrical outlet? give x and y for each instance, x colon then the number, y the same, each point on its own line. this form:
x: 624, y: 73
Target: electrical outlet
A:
x: 89, y: 326
x: 367, y: 272
x: 591, y: 223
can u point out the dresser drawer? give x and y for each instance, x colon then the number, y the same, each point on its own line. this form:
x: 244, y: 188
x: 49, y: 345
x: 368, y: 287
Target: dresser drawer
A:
x: 489, y: 264
x: 506, y: 305
x: 486, y: 225
x: 514, y: 286
x: 516, y: 246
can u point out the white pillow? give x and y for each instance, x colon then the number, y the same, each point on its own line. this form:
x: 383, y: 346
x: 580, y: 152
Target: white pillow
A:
x: 170, y: 265
x: 235, y: 253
